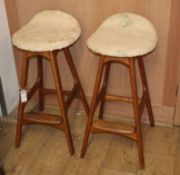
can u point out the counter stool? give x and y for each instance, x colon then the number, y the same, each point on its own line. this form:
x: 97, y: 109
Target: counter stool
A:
x: 123, y: 38
x: 48, y: 32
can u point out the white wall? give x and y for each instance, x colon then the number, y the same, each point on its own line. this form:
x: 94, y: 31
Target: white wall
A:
x: 7, y: 65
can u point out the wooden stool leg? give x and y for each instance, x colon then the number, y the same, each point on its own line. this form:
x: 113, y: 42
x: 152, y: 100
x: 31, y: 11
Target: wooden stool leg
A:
x: 136, y: 111
x: 104, y: 86
x: 24, y: 77
x: 93, y: 106
x: 76, y: 78
x: 58, y: 84
x: 145, y: 85
x: 40, y: 77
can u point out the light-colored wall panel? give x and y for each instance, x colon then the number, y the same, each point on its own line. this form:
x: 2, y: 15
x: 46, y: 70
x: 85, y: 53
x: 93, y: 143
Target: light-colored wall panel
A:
x: 13, y: 20
x: 8, y: 72
x: 90, y: 14
x: 173, y: 61
x: 173, y: 56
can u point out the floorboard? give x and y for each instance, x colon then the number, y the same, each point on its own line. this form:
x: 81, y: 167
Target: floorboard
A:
x: 44, y: 151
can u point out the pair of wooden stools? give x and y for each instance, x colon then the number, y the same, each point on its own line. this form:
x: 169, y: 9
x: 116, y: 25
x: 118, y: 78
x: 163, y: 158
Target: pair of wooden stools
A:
x: 123, y: 38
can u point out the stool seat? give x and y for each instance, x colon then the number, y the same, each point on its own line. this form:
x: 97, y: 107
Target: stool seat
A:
x: 122, y: 39
x: 124, y: 35
x: 47, y: 31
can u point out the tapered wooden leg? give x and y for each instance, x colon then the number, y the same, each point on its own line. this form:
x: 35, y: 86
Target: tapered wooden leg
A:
x: 58, y: 84
x: 24, y: 77
x: 93, y: 106
x: 104, y: 86
x: 40, y: 76
x: 136, y: 111
x: 145, y: 85
x: 76, y: 78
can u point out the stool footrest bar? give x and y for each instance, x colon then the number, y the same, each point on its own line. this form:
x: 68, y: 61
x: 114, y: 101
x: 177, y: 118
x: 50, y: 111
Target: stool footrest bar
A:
x: 42, y: 118
x: 113, y: 127
x: 72, y: 95
x: 142, y: 103
x: 33, y: 90
x: 109, y: 98
x: 100, y: 95
x: 47, y: 91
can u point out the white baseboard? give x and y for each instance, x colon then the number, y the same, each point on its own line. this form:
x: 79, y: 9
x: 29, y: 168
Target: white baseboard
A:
x: 119, y: 111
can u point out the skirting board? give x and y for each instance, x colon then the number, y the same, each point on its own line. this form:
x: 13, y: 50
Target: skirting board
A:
x: 163, y: 115
x: 121, y: 111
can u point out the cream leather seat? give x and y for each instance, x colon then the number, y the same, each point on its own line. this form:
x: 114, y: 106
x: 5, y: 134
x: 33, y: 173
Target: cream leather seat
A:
x: 48, y: 33
x: 124, y: 35
x: 123, y: 38
x: 48, y: 30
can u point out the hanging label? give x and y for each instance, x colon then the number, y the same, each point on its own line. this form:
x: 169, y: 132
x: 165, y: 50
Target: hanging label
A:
x: 23, y: 96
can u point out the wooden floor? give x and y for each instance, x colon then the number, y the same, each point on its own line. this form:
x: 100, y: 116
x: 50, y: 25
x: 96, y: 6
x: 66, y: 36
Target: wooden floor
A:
x: 44, y: 151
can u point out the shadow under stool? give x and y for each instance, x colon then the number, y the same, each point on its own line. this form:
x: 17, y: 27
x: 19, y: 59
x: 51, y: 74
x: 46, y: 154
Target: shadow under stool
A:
x: 47, y: 33
x: 123, y: 38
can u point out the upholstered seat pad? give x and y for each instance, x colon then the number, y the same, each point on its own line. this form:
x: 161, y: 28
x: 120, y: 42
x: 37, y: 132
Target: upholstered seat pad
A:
x: 48, y: 30
x: 124, y: 35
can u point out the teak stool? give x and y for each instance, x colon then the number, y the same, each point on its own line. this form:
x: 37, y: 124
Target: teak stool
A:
x: 47, y: 33
x: 123, y: 38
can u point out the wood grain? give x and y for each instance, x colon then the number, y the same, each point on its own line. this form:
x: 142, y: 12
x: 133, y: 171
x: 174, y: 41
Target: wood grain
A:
x: 44, y: 150
x: 173, y: 68
x: 173, y: 56
x: 161, y: 66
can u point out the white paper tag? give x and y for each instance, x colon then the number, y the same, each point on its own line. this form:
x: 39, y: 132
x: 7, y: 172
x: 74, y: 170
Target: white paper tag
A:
x: 23, y: 96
